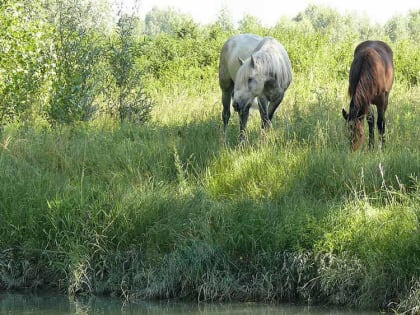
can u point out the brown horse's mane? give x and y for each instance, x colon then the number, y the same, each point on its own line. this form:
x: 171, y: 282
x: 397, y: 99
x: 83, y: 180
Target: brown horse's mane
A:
x: 365, y: 75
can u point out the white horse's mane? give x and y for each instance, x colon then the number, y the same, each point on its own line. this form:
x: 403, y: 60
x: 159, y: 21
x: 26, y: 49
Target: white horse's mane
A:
x: 269, y: 59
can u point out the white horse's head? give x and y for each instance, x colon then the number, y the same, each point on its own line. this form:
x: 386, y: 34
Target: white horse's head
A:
x: 249, y: 84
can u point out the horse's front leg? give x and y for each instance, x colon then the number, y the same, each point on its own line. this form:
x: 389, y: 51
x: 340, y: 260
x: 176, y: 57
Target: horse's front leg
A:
x: 371, y: 124
x: 243, y: 120
x: 263, y: 108
x: 274, y: 104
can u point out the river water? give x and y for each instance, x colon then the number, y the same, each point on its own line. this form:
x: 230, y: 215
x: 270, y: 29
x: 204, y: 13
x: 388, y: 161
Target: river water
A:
x: 29, y: 304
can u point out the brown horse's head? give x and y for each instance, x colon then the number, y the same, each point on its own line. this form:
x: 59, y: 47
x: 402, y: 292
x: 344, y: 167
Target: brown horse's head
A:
x: 356, y: 130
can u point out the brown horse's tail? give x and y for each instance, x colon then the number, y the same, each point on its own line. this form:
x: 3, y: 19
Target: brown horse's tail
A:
x: 364, y: 73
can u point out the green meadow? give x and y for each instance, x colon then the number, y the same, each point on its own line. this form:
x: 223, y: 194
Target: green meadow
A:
x: 161, y: 209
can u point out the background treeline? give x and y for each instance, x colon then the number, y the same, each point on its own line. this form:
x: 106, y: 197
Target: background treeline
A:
x: 75, y: 60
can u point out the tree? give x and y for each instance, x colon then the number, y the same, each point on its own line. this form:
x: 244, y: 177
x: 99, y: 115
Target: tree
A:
x: 24, y: 60
x: 224, y: 20
x: 321, y: 17
x: 168, y: 21
x: 414, y: 25
x: 77, y: 54
x: 125, y: 96
x: 250, y: 24
x: 396, y: 28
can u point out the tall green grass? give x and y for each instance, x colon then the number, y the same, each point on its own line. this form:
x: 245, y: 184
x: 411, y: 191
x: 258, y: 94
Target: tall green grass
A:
x: 166, y: 211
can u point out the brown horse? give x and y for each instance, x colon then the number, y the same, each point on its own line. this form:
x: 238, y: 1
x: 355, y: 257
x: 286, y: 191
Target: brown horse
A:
x: 371, y: 79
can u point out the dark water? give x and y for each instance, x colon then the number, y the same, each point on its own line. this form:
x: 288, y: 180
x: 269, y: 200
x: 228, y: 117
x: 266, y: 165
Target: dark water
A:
x: 27, y: 304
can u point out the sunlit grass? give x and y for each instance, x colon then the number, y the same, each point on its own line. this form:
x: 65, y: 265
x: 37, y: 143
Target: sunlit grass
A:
x: 165, y: 210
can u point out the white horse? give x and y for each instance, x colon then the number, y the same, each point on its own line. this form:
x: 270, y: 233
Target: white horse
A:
x: 253, y: 69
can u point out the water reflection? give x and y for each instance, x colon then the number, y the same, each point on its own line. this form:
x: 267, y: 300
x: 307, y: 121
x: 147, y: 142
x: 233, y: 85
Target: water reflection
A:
x: 30, y: 304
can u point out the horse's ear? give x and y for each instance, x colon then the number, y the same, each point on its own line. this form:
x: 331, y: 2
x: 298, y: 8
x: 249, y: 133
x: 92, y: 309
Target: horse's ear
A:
x: 345, y: 114
x: 252, y: 61
x: 241, y: 61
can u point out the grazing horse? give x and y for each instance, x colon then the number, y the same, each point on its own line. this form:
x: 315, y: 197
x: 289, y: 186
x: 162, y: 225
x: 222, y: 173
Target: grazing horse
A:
x: 371, y: 79
x: 253, y: 70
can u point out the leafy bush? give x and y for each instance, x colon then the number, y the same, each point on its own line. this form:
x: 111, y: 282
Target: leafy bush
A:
x: 77, y: 53
x: 125, y: 95
x: 25, y: 66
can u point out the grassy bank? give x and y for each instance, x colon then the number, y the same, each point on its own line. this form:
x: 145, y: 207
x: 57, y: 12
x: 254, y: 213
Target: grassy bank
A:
x: 165, y: 211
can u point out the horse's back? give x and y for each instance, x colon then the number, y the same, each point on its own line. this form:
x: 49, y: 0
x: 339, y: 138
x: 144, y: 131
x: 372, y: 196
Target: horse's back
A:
x: 235, y: 48
x: 381, y: 64
x: 387, y: 58
x: 381, y: 47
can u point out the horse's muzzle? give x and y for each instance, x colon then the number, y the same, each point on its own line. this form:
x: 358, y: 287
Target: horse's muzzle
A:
x: 236, y: 106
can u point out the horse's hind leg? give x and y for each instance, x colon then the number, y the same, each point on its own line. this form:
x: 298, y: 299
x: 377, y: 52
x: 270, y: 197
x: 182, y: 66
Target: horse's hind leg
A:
x: 371, y: 123
x: 226, y: 99
x: 381, y: 118
x: 381, y: 127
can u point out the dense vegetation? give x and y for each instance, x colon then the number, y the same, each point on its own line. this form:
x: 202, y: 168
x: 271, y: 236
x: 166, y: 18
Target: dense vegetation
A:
x: 114, y: 179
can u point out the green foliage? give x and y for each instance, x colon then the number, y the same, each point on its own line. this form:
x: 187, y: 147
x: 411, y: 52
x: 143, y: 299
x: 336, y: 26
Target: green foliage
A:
x: 396, y: 28
x: 169, y: 60
x: 407, y: 62
x: 167, y: 21
x: 77, y: 52
x: 414, y: 25
x: 250, y: 24
x: 224, y: 20
x: 320, y: 17
x: 125, y: 94
x: 404, y: 27
x: 25, y: 66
